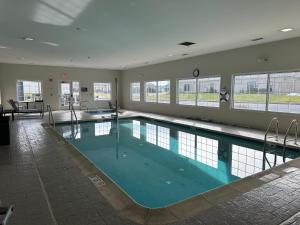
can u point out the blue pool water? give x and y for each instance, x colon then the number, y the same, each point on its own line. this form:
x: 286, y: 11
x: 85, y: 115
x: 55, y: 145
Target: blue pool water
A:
x: 159, y: 164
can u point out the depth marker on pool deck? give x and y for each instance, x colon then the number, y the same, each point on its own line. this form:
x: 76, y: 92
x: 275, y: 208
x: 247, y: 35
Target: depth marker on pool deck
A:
x: 96, y: 180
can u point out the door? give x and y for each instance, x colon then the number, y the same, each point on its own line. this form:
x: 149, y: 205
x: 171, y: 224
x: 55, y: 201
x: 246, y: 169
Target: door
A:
x: 69, y: 90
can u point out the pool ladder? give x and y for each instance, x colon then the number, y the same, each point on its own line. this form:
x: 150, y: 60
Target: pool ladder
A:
x: 50, y: 116
x: 72, y: 110
x: 293, y: 124
x: 273, y: 122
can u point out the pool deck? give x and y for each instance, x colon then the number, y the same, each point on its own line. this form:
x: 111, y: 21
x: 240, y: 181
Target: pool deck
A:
x: 51, y: 183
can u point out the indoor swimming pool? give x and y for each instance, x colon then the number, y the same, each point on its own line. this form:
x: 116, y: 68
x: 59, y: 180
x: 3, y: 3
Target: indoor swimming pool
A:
x: 158, y: 164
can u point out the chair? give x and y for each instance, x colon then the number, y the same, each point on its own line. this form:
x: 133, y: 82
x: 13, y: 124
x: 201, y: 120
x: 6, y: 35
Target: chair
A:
x: 16, y: 109
x: 112, y: 107
x: 5, y: 213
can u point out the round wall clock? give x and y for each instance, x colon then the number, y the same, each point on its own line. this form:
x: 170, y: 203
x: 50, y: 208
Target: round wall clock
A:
x: 196, y: 72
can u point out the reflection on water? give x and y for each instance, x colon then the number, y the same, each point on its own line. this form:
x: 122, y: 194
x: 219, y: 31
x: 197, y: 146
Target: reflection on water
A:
x: 246, y: 161
x: 186, y: 144
x: 136, y: 129
x: 207, y: 151
x: 159, y: 164
x: 102, y: 128
x: 240, y: 161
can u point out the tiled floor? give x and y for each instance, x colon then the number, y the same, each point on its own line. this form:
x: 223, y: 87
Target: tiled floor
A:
x: 46, y: 186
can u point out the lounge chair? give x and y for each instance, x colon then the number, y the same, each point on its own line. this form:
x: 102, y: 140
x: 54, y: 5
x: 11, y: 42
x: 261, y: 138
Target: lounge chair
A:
x: 112, y: 107
x: 5, y: 213
x: 16, y: 109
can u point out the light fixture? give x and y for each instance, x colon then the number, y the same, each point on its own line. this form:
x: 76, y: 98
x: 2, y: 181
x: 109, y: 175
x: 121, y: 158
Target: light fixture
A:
x: 170, y: 55
x: 257, y: 39
x: 286, y: 29
x: 50, y: 43
x: 28, y: 38
x: 2, y: 46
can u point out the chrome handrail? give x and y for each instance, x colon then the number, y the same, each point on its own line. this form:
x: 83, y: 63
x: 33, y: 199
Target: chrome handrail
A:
x: 274, y: 119
x: 73, y: 112
x: 50, y: 116
x: 293, y: 123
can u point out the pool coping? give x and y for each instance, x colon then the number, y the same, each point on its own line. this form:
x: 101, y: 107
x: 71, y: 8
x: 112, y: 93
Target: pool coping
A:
x: 128, y: 208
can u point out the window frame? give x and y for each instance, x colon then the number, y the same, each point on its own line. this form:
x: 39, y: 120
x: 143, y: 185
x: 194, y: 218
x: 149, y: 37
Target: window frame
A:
x: 169, y: 102
x: 267, y: 94
x: 156, y: 101
x: 17, y: 93
x: 132, y: 82
x: 102, y: 82
x: 196, y: 101
x: 206, y: 77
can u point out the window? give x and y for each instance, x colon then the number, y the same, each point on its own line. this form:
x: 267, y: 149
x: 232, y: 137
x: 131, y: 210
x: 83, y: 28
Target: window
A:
x: 157, y: 91
x: 208, y: 92
x: 151, y: 91
x: 29, y: 90
x: 250, y: 92
x: 187, y: 92
x: 135, y: 91
x: 102, y: 91
x: 163, y: 91
x: 284, y: 92
x: 276, y: 92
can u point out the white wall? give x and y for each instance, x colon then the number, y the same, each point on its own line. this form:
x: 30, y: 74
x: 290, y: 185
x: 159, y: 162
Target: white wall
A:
x: 10, y: 73
x: 283, y: 55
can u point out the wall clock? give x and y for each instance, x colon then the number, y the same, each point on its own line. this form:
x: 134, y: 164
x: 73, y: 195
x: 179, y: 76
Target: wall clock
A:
x: 196, y: 72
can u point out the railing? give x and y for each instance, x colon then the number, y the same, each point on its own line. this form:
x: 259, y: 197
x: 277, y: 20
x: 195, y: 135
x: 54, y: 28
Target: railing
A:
x: 73, y: 113
x: 50, y: 116
x: 293, y: 123
x: 276, y: 130
x: 265, y: 159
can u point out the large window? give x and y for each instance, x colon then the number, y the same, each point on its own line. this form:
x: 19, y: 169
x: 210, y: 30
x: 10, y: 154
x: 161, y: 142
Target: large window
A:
x: 157, y: 91
x: 208, y: 92
x: 187, y: 92
x: 102, y: 91
x: 163, y: 93
x: 151, y: 91
x: 135, y: 89
x: 284, y: 92
x: 250, y: 92
x: 29, y: 90
x: 277, y: 92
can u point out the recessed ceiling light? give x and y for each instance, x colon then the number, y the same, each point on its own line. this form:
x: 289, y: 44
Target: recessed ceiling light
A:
x: 286, y: 30
x: 257, y: 39
x: 170, y: 55
x: 28, y: 38
x: 2, y: 46
x: 50, y: 43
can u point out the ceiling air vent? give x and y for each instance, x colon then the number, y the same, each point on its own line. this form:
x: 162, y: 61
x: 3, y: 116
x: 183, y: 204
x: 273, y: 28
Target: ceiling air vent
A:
x: 187, y: 43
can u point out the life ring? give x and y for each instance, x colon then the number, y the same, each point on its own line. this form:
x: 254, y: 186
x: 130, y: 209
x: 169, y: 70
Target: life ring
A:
x: 224, y: 96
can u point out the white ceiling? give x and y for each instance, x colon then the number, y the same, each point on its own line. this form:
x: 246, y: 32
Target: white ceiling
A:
x: 119, y: 34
